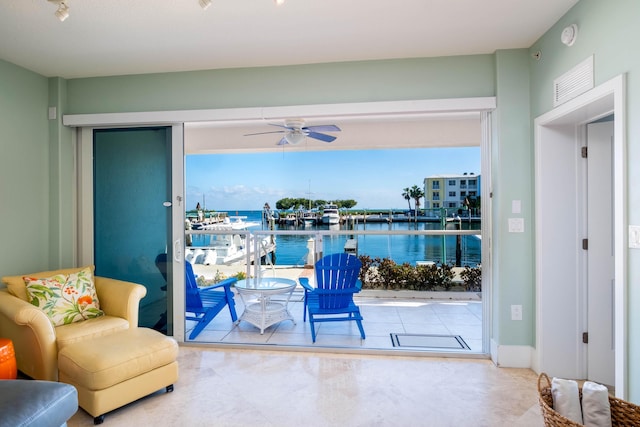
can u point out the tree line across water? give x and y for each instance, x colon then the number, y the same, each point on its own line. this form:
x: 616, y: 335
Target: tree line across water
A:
x: 295, y: 203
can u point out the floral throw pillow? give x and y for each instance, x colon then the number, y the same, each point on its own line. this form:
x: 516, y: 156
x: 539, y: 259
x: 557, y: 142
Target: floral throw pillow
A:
x: 65, y: 298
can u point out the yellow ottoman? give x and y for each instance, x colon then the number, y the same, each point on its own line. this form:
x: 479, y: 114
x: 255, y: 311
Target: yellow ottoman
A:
x: 114, y: 370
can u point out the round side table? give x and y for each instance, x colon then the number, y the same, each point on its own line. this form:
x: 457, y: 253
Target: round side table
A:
x: 8, y: 367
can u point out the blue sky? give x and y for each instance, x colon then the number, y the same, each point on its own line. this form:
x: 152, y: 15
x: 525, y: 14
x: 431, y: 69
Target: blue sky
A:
x: 374, y: 178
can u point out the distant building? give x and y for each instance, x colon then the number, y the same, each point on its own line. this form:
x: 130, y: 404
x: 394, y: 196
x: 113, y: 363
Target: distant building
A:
x: 450, y: 191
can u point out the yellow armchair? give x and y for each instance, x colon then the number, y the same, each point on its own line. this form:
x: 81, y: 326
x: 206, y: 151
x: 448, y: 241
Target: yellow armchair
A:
x: 37, y: 342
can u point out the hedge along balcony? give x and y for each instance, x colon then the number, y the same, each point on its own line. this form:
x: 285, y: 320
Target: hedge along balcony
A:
x: 385, y: 274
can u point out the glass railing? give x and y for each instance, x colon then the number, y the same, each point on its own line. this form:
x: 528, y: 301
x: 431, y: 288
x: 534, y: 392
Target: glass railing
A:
x: 255, y: 253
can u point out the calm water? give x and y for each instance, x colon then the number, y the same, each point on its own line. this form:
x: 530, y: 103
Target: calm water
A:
x: 292, y: 250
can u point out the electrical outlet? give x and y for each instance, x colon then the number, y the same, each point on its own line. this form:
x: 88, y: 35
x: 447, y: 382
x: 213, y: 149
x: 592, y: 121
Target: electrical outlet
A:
x: 516, y: 312
x: 516, y: 225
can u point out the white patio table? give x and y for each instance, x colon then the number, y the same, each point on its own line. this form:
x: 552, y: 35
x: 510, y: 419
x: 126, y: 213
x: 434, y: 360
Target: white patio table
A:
x: 259, y: 308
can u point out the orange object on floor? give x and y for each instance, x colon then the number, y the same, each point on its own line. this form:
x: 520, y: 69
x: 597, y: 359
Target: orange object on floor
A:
x: 8, y: 367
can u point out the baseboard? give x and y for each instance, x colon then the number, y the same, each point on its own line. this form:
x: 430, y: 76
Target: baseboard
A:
x: 512, y: 356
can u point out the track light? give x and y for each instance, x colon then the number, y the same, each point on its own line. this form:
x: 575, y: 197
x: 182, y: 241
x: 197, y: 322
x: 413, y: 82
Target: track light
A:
x: 204, y: 4
x: 63, y: 10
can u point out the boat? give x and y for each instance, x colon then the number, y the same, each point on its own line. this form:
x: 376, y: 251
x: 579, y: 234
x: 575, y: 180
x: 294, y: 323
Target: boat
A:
x: 228, y: 248
x: 291, y: 219
x: 309, y: 218
x: 330, y: 214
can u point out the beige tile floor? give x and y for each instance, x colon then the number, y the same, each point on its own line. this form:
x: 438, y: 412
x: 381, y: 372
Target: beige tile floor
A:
x: 227, y: 387
x: 382, y: 316
x: 221, y: 385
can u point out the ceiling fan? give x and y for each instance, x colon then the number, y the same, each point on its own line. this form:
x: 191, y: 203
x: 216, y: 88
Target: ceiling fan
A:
x: 295, y: 132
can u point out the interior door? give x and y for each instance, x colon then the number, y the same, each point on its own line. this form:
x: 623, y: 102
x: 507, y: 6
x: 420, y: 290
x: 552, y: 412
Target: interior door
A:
x: 600, y: 254
x: 132, y: 214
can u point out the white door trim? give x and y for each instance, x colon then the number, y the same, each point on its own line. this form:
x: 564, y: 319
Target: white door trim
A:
x: 239, y: 115
x: 607, y: 98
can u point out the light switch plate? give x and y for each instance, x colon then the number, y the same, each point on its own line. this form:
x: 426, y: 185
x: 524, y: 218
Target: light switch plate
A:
x: 516, y: 206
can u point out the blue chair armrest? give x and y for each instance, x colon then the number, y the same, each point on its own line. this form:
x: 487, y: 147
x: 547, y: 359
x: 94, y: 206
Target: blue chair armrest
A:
x: 304, y: 282
x: 223, y: 284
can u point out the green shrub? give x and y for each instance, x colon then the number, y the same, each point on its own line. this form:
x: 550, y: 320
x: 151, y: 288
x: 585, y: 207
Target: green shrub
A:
x: 472, y: 277
x: 377, y: 273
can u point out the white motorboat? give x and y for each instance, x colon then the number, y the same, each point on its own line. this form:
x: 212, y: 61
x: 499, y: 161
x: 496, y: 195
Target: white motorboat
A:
x: 227, y: 247
x: 330, y: 214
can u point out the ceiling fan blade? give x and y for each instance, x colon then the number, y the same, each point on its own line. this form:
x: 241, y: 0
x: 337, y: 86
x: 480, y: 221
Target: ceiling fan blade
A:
x: 283, y: 141
x: 280, y: 126
x: 322, y: 128
x: 321, y: 136
x: 264, y: 133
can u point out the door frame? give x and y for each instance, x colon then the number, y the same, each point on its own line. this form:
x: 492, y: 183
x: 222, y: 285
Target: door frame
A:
x: 560, y: 295
x: 224, y: 116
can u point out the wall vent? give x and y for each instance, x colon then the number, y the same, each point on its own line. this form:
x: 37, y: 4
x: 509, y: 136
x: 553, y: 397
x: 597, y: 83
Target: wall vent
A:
x: 574, y: 82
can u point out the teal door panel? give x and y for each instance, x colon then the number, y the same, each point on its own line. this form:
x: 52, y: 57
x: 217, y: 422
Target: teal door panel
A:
x: 132, y: 183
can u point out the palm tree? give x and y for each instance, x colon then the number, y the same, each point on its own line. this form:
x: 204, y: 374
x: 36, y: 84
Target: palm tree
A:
x: 416, y: 193
x: 406, y: 193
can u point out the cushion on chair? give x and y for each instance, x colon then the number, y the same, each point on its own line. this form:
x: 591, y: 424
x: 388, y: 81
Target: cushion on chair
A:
x: 17, y: 287
x: 89, y: 329
x: 65, y: 298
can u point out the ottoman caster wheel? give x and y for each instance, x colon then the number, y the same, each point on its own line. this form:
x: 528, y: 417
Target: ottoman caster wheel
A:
x: 169, y: 388
x: 98, y: 420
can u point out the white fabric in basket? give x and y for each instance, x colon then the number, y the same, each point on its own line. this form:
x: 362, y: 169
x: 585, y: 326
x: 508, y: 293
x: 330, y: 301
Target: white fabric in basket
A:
x: 596, y: 410
x: 566, y: 399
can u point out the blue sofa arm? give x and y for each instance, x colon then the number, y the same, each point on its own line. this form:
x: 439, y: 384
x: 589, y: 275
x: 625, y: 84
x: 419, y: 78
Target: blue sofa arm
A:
x: 36, y: 403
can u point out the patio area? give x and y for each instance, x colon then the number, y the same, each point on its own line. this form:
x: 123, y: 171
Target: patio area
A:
x: 402, y: 313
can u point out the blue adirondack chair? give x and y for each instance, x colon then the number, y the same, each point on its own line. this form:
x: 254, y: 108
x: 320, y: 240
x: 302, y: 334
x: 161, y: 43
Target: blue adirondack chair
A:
x: 332, y: 299
x: 205, y: 303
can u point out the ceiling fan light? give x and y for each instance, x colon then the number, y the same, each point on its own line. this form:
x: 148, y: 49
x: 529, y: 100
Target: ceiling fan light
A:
x: 204, y: 4
x: 295, y: 137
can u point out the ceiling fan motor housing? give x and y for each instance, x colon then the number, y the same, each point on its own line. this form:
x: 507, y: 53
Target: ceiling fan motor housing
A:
x: 294, y: 124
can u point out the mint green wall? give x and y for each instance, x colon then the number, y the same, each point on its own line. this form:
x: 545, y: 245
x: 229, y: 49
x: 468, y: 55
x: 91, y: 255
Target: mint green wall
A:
x: 512, y: 177
x: 428, y: 78
x: 608, y: 30
x: 24, y: 171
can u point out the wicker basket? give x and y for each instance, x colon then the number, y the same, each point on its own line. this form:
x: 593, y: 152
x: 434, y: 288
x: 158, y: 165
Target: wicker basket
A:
x: 622, y: 413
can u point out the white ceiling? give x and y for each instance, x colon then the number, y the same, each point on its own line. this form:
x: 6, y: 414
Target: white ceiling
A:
x: 116, y: 37
x: 119, y: 37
